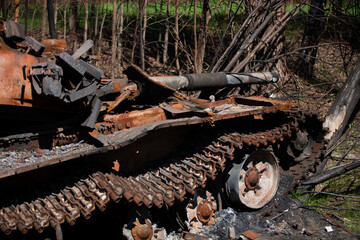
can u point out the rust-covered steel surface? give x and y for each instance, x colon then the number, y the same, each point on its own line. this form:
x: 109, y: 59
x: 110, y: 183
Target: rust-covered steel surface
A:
x: 120, y: 130
x: 153, y: 188
x: 141, y: 139
x: 14, y: 84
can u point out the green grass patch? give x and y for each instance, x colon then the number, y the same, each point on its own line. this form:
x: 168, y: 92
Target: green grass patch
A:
x: 347, y: 184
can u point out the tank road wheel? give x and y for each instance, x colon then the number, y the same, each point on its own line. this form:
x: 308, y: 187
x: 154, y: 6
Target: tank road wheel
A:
x: 254, y: 181
x: 140, y: 226
x: 142, y: 231
x: 201, y: 210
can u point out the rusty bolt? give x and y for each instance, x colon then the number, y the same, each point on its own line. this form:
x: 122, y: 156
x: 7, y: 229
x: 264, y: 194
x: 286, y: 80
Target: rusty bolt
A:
x: 142, y: 231
x: 252, y: 178
x: 205, y: 211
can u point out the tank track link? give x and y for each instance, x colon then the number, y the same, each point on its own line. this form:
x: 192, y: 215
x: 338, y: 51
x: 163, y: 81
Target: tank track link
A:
x: 305, y: 168
x: 153, y: 188
x: 58, y: 139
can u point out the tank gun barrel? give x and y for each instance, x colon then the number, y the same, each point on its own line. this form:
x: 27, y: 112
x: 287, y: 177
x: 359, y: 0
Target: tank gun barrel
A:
x: 216, y: 80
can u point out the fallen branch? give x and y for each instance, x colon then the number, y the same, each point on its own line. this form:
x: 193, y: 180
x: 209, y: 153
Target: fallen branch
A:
x: 332, y: 172
x: 273, y: 32
x: 312, y: 207
x: 348, y: 151
x: 236, y: 38
x: 332, y: 221
x: 332, y: 194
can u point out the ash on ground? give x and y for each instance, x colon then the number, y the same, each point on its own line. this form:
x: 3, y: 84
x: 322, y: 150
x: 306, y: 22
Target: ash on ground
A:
x: 282, y: 218
x: 13, y: 159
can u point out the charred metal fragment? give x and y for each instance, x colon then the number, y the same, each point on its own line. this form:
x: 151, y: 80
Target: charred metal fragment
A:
x: 90, y: 70
x: 14, y: 30
x: 83, y: 49
x: 95, y: 110
x: 105, y: 89
x: 35, y: 47
x: 46, y: 79
x: 69, y: 62
x: 87, y: 91
x: 53, y: 46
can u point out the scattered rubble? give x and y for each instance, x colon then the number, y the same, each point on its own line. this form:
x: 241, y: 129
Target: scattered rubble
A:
x: 10, y: 160
x: 282, y: 218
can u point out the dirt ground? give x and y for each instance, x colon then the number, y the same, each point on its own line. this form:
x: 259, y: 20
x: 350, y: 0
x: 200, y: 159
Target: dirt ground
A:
x: 282, y: 218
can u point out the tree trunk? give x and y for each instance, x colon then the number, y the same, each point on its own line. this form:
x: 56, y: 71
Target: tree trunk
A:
x: 141, y: 34
x: 73, y: 15
x: 43, y: 21
x: 65, y: 23
x: 73, y: 25
x: 195, y: 39
x: 55, y: 11
x: 135, y: 40
x: 342, y: 110
x: 97, y: 17
x: 166, y: 37
x: 33, y: 16
x: 177, y: 37
x: 101, y: 29
x: 121, y: 26
x: 92, y: 19
x: 86, y: 20
x: 16, y: 12
x: 50, y: 9
x: 159, y: 45
x: 113, y: 41
x: 26, y: 15
x: 311, y: 39
x: 202, y: 37
x: 145, y: 20
x: 4, y: 9
x: 220, y: 46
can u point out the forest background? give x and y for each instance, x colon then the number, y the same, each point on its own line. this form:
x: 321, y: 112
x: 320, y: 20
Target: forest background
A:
x: 313, y: 44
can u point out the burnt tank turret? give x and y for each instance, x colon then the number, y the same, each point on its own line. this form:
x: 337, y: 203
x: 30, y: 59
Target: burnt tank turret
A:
x: 142, y: 141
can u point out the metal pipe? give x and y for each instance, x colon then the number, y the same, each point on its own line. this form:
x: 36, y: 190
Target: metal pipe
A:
x: 216, y: 80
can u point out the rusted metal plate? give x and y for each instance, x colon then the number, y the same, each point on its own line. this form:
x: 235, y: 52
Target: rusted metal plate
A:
x: 262, y: 101
x: 53, y: 46
x: 141, y: 123
x: 14, y: 83
x: 148, y: 189
x: 129, y: 120
x: 229, y: 100
x: 250, y: 234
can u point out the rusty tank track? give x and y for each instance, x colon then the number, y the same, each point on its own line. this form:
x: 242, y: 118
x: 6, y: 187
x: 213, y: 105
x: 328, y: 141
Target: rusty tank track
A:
x: 304, y: 169
x: 153, y: 188
x: 58, y: 138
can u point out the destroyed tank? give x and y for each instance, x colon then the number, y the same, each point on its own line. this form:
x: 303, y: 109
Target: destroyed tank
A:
x: 72, y: 141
